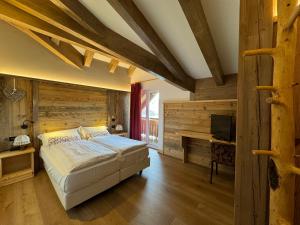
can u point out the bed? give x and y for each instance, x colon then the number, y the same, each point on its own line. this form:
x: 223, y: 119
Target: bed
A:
x: 132, y: 154
x: 76, y: 182
x: 80, y: 169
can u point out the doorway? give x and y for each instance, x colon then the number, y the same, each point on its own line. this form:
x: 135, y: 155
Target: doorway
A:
x: 150, y: 117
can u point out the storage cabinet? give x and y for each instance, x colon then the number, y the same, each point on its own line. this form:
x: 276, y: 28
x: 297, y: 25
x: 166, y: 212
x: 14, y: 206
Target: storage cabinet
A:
x: 16, y: 166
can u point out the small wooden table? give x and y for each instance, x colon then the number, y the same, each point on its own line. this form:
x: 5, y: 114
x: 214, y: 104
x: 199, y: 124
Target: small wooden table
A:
x: 219, y: 154
x: 9, y: 177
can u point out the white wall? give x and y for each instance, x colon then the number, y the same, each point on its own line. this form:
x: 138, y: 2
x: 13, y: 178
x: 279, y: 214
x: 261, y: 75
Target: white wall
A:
x: 167, y: 92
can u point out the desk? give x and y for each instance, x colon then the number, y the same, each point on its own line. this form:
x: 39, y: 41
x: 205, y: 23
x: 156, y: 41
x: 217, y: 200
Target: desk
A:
x: 221, y: 153
x: 185, y: 134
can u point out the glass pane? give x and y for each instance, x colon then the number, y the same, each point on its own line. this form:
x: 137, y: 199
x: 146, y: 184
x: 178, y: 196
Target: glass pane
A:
x: 153, y: 117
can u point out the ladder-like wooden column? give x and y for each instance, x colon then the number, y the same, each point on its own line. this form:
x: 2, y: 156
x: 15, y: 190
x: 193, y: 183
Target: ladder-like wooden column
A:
x: 282, y: 153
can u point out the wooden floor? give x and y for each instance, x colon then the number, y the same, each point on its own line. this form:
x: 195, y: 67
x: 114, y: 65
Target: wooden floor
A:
x: 168, y: 192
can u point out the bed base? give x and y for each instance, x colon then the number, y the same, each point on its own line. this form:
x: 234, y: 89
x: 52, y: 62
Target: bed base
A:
x: 70, y: 200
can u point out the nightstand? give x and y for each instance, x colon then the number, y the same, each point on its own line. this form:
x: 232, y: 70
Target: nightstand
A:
x: 122, y: 134
x: 16, y: 166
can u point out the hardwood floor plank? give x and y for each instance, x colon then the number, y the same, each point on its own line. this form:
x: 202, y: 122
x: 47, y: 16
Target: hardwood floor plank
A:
x: 167, y: 193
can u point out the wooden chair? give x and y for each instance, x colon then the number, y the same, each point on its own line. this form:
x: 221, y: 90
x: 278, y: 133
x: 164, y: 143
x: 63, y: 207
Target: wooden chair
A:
x: 221, y: 154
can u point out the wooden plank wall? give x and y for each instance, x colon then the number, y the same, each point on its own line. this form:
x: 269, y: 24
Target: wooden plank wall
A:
x: 62, y: 106
x: 56, y: 106
x: 207, y: 89
x: 253, y: 116
x: 13, y: 114
x: 117, y: 101
x: 193, y: 116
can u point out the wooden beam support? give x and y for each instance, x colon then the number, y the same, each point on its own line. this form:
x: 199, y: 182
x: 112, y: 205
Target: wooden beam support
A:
x: 194, y: 13
x: 106, y: 41
x: 137, y: 21
x: 112, y: 66
x: 131, y: 70
x: 64, y: 51
x: 88, y: 58
x: 77, y: 17
x: 15, y: 16
x: 253, y: 114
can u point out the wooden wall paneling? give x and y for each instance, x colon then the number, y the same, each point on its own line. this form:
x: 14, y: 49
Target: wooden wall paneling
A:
x: 193, y: 116
x: 14, y: 113
x: 63, y: 106
x: 208, y: 89
x: 253, y: 115
x: 118, y: 106
x: 35, y: 118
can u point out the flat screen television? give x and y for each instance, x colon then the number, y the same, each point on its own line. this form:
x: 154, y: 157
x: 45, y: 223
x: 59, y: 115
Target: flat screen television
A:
x: 223, y: 127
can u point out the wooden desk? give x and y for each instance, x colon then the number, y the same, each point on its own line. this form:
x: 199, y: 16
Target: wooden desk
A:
x: 185, y: 134
x: 15, y: 176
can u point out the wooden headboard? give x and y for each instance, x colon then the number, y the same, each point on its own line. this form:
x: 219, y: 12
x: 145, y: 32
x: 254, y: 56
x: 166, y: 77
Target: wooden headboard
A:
x: 62, y: 106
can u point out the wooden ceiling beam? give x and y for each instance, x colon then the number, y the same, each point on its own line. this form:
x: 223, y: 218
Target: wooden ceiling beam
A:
x: 194, y: 13
x: 74, y: 15
x: 137, y: 21
x: 88, y: 58
x: 64, y: 51
x: 131, y: 70
x: 112, y: 66
x: 106, y: 40
x: 20, y: 18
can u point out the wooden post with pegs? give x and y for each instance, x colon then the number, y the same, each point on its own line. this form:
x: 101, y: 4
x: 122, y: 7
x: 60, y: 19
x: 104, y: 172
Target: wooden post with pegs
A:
x: 283, y: 124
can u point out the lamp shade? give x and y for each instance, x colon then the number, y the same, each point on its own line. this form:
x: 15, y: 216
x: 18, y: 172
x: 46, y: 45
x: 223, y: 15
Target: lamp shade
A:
x: 21, y: 140
x: 119, y: 127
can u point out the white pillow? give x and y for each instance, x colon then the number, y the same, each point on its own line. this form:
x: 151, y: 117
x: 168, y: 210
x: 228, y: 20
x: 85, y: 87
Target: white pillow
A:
x: 57, y: 137
x: 90, y: 132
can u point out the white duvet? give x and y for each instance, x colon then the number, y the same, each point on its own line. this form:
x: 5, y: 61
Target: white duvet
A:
x: 71, y: 156
x: 118, y: 144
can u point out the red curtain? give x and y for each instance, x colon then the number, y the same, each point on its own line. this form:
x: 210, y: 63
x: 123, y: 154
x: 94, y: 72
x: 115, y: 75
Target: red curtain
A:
x: 135, y: 111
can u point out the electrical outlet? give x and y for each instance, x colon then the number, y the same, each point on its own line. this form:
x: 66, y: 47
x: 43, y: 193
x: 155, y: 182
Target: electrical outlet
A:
x: 11, y: 138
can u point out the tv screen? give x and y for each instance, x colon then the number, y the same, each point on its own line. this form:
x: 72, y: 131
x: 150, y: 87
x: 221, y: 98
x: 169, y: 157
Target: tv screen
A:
x: 223, y: 127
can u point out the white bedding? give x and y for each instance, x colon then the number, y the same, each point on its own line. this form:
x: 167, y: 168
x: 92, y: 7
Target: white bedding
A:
x: 81, y: 178
x: 118, y: 144
x: 72, y: 156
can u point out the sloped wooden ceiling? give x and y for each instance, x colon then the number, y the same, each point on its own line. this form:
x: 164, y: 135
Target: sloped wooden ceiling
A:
x: 60, y: 24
